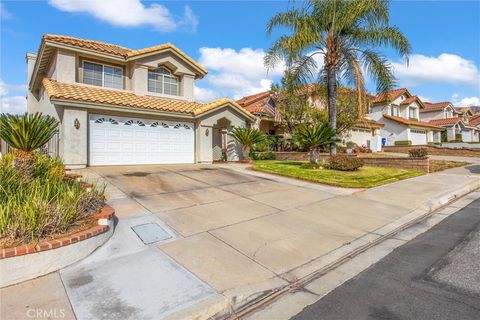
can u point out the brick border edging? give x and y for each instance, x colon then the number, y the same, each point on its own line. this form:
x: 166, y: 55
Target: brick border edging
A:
x: 106, y: 213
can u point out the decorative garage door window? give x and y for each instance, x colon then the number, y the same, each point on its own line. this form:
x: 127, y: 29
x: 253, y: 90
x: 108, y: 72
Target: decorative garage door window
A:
x: 135, y: 122
x: 159, y: 124
x: 178, y: 126
x: 106, y: 120
x: 139, y: 141
x: 418, y: 131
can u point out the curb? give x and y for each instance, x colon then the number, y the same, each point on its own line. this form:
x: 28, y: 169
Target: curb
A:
x: 236, y: 307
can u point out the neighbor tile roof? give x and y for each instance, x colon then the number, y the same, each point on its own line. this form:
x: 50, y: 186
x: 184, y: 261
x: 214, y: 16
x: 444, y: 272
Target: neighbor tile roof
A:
x: 368, y: 123
x: 116, y: 50
x: 245, y: 101
x: 475, y: 120
x: 390, y: 95
x: 88, y: 94
x: 411, y: 122
x: 429, y: 106
x: 409, y: 100
x: 447, y: 121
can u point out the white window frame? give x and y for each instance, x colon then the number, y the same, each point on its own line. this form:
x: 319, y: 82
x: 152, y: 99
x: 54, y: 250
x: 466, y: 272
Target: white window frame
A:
x: 414, y: 110
x: 170, y: 75
x: 103, y: 73
x: 396, y: 108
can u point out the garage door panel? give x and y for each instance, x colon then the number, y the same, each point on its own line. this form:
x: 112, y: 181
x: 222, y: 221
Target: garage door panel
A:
x: 120, y: 140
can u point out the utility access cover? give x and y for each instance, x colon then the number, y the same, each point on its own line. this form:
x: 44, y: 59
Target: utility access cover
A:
x: 151, y: 232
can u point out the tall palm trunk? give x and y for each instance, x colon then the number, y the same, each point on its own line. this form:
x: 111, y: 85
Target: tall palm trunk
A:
x: 332, y: 103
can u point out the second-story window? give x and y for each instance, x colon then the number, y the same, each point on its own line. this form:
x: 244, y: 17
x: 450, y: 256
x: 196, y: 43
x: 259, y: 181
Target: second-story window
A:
x: 412, y: 113
x: 394, y: 110
x: 102, y: 75
x: 161, y: 80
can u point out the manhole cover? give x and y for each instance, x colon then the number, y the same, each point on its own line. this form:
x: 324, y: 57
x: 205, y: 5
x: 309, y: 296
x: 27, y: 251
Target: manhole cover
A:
x: 151, y: 232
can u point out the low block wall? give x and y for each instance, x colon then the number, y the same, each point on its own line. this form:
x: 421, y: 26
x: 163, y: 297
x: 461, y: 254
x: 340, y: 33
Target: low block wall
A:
x: 432, y: 150
x: 421, y: 164
x: 26, y: 262
x: 394, y: 162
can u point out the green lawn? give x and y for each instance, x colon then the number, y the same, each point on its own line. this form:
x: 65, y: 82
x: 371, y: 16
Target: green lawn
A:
x: 365, y: 177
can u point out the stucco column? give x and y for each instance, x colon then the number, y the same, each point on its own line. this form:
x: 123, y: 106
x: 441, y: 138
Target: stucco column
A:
x: 187, y: 87
x: 140, y: 80
x: 74, y: 137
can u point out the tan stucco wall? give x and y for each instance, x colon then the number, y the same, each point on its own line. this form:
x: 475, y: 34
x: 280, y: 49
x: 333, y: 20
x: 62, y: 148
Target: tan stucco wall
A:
x: 204, y: 142
x: 74, y: 141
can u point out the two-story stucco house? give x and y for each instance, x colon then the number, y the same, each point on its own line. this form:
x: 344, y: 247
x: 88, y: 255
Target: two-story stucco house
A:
x: 262, y: 105
x: 455, y: 122
x: 400, y: 112
x: 119, y: 106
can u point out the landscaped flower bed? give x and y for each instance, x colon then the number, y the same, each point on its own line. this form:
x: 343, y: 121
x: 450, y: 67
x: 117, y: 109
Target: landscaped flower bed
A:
x: 43, y: 204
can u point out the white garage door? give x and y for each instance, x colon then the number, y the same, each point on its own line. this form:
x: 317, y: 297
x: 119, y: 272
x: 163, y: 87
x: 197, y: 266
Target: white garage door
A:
x: 466, y: 136
x: 119, y: 140
x: 361, y: 136
x: 418, y: 137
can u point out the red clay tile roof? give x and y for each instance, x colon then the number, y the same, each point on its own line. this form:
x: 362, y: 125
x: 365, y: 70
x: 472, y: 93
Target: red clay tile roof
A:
x: 88, y: 94
x: 116, y: 50
x: 474, y: 120
x: 368, y: 123
x: 411, y: 122
x: 447, y: 121
x: 245, y: 101
x: 409, y: 100
x: 435, y: 106
x: 390, y: 95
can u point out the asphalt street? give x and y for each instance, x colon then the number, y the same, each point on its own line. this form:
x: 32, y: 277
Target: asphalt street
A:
x: 434, y: 276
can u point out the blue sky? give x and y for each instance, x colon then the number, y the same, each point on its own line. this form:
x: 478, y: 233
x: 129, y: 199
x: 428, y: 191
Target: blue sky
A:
x: 228, y: 38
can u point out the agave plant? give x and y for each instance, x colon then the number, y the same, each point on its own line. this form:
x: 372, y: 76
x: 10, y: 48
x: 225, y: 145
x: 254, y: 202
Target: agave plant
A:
x: 314, y: 136
x: 25, y: 134
x: 248, y: 138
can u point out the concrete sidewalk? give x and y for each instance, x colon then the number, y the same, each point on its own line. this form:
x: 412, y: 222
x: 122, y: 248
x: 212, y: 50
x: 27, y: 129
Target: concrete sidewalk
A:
x: 235, y: 236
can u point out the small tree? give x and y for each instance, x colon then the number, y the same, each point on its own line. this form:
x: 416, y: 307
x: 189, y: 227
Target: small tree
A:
x: 26, y: 133
x: 248, y: 138
x: 315, y: 136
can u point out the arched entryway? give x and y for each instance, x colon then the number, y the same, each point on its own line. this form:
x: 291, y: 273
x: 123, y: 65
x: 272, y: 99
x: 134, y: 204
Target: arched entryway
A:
x: 224, y: 146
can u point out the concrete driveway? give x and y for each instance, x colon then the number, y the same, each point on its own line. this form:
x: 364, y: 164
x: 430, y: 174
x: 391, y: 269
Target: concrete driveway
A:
x: 226, y: 235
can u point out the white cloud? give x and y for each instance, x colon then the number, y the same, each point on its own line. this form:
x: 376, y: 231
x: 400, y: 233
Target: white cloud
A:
x: 204, y: 94
x: 11, y: 104
x: 424, y: 99
x: 4, y: 13
x: 236, y: 73
x: 446, y: 67
x: 465, y: 101
x: 130, y: 13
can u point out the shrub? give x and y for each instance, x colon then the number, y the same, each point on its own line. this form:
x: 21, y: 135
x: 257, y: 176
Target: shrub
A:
x: 458, y: 137
x: 313, y: 137
x: 262, y: 155
x: 351, y: 145
x: 44, y: 205
x: 313, y: 166
x: 248, y: 138
x: 418, y: 152
x: 403, y: 143
x: 344, y: 163
x: 362, y: 149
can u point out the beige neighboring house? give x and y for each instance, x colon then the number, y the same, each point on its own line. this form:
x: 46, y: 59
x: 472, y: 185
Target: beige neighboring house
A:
x: 119, y: 106
x: 365, y: 132
x: 400, y: 111
x: 455, y: 121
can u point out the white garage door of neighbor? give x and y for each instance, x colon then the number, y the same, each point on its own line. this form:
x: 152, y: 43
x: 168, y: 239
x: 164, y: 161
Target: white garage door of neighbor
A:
x: 122, y: 141
x: 361, y: 137
x: 418, y: 137
x: 466, y: 136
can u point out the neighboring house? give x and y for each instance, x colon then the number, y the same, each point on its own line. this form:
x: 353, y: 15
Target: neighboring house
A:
x: 399, y: 111
x: 263, y: 106
x: 455, y: 121
x: 119, y: 106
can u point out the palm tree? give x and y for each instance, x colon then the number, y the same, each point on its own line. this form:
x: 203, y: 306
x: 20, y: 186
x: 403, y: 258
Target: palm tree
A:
x: 26, y: 133
x: 248, y: 138
x: 313, y: 136
x: 344, y: 33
